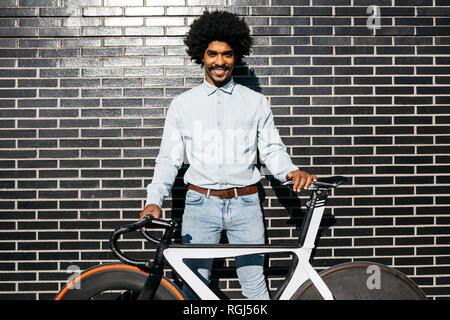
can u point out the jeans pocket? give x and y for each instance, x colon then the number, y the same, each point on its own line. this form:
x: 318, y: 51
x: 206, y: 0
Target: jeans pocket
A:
x: 250, y: 199
x: 194, y: 198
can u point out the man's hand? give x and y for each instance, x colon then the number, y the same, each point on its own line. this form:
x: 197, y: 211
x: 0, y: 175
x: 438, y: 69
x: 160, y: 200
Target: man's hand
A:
x: 302, y: 179
x: 151, y: 209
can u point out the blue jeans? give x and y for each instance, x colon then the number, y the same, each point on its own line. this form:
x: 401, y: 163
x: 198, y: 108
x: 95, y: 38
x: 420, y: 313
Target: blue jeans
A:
x: 204, y: 219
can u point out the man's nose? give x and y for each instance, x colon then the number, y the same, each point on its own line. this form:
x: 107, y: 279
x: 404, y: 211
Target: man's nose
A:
x: 220, y: 60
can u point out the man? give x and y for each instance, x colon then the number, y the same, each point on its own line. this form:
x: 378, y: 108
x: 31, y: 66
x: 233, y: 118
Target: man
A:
x: 217, y: 127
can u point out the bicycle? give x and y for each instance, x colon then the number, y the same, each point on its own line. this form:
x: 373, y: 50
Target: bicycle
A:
x: 144, y: 280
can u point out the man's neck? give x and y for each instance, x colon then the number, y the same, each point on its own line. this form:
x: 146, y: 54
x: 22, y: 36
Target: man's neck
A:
x: 217, y: 84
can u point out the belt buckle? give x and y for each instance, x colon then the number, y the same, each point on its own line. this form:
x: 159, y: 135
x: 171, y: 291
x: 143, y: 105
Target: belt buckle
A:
x: 221, y: 194
x: 226, y: 193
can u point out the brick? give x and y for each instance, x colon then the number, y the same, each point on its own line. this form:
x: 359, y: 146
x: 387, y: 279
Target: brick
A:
x: 266, y: 31
x: 57, y: 32
x: 13, y: 73
x: 15, y: 93
x: 101, y: 31
x: 58, y: 72
x: 18, y: 12
x: 271, y: 11
x: 102, y: 11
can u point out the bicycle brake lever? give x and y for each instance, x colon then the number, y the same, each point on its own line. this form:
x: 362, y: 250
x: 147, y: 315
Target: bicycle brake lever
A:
x: 148, y: 237
x: 158, y: 222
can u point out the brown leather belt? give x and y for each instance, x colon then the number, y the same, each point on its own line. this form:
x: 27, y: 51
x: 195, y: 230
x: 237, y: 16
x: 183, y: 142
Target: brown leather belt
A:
x: 226, y: 193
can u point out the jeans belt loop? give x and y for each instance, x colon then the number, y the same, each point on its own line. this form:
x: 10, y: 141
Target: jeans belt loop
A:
x: 235, y: 192
x: 207, y: 194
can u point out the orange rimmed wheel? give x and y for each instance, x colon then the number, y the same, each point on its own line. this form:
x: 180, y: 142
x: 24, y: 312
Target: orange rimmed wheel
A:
x: 115, y: 281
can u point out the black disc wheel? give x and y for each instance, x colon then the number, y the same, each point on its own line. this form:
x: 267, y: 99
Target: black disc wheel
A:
x: 363, y: 281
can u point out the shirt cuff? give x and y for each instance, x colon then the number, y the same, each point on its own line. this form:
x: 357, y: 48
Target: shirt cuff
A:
x: 282, y: 176
x: 152, y: 201
x: 153, y: 198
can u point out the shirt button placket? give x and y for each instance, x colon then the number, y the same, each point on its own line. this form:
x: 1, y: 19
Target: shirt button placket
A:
x: 219, y: 109
x: 219, y: 125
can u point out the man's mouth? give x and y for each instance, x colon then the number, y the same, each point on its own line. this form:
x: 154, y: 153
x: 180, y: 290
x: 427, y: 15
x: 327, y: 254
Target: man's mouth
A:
x: 219, y: 71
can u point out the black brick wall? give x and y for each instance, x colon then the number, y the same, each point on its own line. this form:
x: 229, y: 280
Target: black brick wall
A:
x: 85, y: 84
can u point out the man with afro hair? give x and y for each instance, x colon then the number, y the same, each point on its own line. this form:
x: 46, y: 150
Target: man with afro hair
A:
x: 218, y: 127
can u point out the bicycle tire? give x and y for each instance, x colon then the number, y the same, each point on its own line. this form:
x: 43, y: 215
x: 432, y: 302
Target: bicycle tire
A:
x: 355, y: 281
x: 94, y: 283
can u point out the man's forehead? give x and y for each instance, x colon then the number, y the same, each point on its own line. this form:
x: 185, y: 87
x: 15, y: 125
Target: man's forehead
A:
x: 219, y: 46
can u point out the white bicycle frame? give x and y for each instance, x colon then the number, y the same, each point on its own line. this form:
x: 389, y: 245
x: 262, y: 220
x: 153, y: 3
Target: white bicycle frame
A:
x: 175, y: 256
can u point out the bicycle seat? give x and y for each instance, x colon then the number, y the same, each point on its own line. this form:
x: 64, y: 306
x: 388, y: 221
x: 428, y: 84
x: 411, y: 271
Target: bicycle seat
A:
x: 330, y: 182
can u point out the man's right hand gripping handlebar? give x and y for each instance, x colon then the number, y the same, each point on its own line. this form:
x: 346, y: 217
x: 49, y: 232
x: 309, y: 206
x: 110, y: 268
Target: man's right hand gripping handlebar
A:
x: 151, y: 209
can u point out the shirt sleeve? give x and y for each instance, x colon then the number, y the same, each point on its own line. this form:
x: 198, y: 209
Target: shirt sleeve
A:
x: 272, y: 150
x: 168, y: 161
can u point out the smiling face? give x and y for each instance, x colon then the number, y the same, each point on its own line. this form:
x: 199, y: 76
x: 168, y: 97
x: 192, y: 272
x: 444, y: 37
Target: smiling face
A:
x: 218, y: 60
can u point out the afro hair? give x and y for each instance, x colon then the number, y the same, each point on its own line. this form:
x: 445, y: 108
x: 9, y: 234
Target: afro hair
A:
x: 218, y: 26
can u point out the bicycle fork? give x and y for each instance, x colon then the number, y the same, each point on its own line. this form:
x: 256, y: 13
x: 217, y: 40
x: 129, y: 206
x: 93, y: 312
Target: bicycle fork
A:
x: 151, y: 284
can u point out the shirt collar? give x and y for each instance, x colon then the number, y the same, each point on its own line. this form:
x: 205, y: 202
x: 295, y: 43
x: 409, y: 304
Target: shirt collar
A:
x: 210, y: 89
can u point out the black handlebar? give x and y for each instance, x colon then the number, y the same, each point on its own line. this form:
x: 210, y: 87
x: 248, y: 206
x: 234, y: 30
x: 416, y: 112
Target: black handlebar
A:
x: 323, y: 183
x: 146, y: 222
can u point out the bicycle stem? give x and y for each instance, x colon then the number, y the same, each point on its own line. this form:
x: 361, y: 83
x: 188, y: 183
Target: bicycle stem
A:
x: 318, y: 199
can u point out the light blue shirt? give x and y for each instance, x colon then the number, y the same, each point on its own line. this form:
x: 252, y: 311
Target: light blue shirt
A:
x: 218, y: 131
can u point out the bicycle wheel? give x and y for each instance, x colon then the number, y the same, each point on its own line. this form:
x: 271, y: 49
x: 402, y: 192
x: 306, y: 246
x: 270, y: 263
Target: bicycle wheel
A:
x: 363, y: 281
x: 115, y: 281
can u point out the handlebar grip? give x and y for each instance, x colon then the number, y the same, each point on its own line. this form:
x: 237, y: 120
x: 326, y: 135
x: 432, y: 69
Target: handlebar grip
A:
x: 146, y: 221
x: 326, y: 182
